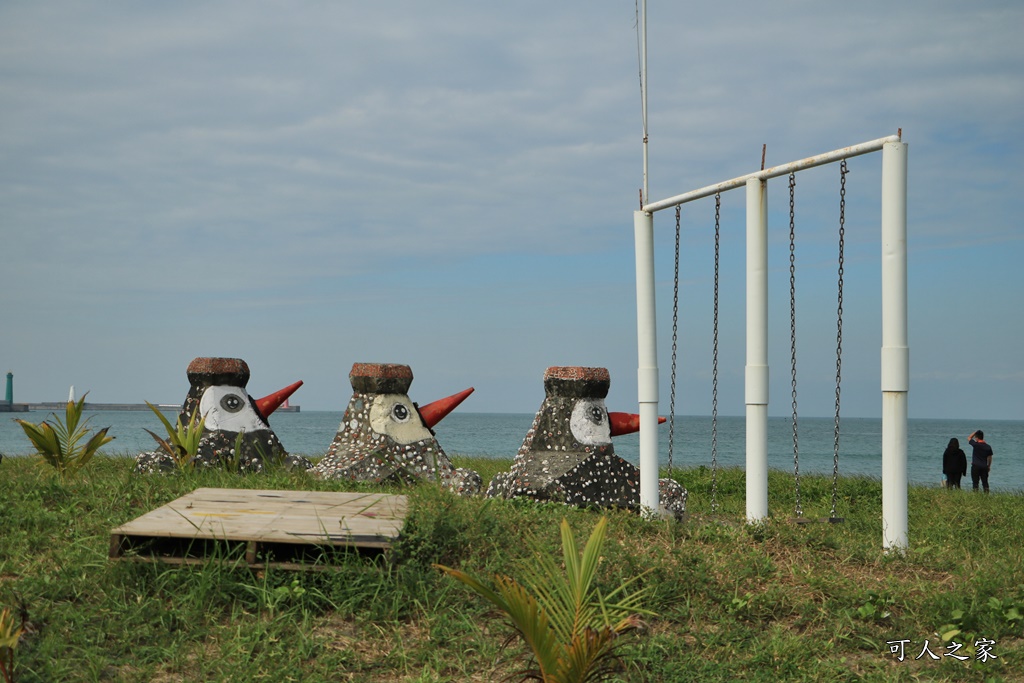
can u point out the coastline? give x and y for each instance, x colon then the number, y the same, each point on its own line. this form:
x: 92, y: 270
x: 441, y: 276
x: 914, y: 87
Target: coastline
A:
x: 59, y: 405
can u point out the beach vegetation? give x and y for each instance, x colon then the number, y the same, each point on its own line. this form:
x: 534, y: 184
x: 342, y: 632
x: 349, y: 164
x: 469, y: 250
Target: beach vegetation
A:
x: 730, y: 602
x: 570, y: 628
x: 59, y: 442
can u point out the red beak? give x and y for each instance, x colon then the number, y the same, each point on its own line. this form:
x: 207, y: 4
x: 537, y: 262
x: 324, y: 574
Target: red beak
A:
x: 626, y: 423
x: 269, y: 404
x: 432, y: 413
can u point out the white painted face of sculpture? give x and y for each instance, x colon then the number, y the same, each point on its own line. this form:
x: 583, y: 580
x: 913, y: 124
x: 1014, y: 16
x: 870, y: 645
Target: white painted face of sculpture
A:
x: 395, y: 416
x: 589, y: 422
x: 229, y: 409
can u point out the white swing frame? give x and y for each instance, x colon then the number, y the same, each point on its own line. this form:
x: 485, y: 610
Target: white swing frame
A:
x: 895, y: 353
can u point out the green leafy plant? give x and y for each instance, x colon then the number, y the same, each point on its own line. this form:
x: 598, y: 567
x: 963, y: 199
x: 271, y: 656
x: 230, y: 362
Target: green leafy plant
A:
x: 570, y: 628
x: 954, y: 628
x: 876, y: 607
x: 738, y: 605
x: 182, y: 442
x: 58, y: 443
x: 1007, y: 609
x: 276, y: 600
x: 9, y: 636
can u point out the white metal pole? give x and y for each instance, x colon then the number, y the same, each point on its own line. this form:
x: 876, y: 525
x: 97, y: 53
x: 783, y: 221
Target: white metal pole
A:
x: 643, y: 90
x: 756, y: 380
x: 895, y: 373
x: 647, y: 370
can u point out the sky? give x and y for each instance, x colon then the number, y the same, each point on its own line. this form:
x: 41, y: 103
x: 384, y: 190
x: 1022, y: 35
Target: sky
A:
x: 451, y: 185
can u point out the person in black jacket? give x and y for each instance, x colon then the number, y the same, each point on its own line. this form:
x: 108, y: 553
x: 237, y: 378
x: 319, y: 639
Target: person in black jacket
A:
x: 981, y: 459
x: 954, y: 464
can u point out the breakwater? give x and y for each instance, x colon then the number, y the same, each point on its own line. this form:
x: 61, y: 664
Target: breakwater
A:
x: 59, y: 405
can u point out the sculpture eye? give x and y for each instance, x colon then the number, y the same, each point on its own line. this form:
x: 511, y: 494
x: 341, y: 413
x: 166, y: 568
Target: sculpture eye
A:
x: 231, y: 403
x: 589, y: 422
x: 227, y: 408
x: 395, y: 417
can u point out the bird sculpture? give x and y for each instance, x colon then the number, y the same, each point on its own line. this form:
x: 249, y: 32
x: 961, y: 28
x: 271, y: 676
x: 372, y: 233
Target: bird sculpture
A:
x: 568, y: 455
x: 384, y: 436
x: 236, y: 434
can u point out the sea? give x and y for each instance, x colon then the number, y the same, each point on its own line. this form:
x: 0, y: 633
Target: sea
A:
x: 499, y: 435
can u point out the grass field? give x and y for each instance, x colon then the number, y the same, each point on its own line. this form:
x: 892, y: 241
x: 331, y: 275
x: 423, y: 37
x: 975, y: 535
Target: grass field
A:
x: 771, y: 602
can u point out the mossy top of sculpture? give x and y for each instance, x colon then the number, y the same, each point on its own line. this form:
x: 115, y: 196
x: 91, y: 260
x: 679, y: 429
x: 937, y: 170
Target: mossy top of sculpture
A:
x: 576, y: 382
x: 210, y: 371
x: 380, y: 378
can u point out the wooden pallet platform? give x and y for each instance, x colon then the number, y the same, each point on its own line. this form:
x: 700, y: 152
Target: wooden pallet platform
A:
x: 287, y: 529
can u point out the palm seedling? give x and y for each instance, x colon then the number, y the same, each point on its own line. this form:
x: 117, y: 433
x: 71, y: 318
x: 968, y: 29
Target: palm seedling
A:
x: 59, y: 442
x: 9, y: 637
x: 570, y: 628
x: 182, y: 442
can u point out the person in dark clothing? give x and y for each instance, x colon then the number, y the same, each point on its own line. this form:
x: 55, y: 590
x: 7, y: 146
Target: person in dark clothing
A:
x: 954, y: 464
x: 981, y: 459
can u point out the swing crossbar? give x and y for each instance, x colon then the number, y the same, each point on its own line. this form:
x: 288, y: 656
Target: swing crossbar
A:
x: 773, y: 172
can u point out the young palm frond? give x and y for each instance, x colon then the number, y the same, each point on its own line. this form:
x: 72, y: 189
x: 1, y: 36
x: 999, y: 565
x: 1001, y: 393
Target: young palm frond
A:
x: 58, y: 442
x: 182, y: 441
x: 9, y: 637
x: 569, y: 627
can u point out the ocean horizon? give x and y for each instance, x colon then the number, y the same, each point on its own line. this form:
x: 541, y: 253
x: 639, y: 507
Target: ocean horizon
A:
x: 499, y: 435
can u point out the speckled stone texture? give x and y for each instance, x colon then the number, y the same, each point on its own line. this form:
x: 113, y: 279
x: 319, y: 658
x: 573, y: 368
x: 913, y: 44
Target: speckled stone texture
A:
x: 259, y: 444
x: 568, y: 456
x: 382, y: 436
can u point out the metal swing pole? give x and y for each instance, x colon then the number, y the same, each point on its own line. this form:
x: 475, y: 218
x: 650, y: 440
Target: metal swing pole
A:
x: 647, y: 350
x: 895, y: 350
x: 756, y: 373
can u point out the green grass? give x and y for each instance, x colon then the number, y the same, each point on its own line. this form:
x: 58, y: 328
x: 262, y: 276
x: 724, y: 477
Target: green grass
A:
x: 772, y: 602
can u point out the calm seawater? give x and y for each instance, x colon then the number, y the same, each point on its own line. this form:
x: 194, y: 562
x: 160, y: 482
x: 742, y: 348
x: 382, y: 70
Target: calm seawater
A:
x: 500, y: 435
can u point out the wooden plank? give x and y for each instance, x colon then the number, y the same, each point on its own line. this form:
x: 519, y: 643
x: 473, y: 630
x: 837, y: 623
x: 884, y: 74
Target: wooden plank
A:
x: 259, y: 517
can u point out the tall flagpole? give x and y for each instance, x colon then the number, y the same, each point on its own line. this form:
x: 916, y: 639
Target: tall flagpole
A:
x: 643, y: 90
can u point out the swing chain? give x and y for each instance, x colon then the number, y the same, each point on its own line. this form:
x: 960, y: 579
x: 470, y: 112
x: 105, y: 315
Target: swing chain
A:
x: 792, y: 335
x: 839, y: 332
x: 714, y: 365
x: 675, y: 339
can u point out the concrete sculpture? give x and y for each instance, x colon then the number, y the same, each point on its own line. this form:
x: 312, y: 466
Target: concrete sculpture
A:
x: 568, y: 456
x: 232, y: 417
x: 384, y: 436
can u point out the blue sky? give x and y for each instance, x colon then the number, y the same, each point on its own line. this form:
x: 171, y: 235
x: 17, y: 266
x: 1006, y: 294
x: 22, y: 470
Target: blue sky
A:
x: 450, y: 185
